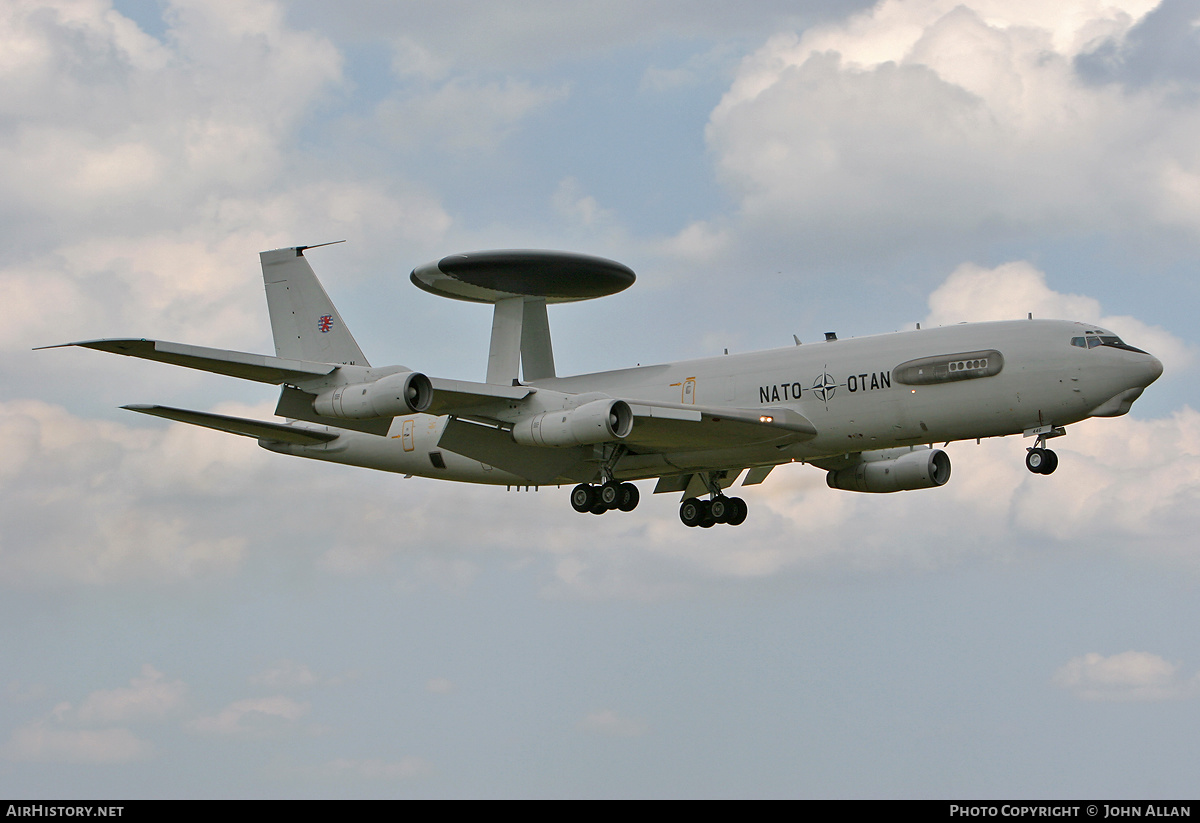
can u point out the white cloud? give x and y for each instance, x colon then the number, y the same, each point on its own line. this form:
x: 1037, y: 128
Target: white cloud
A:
x: 40, y: 742
x: 577, y: 207
x: 105, y: 114
x: 1014, y: 290
x: 284, y: 674
x: 254, y: 717
x: 463, y: 114
x: 148, y: 696
x: 1129, y: 676
x: 609, y: 723
x: 58, y: 738
x: 375, y: 768
x: 433, y: 37
x: 440, y: 685
x: 938, y: 120
x: 93, y: 502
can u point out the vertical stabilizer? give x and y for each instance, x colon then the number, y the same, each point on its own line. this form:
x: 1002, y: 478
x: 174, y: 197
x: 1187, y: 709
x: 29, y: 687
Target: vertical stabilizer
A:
x: 304, y: 322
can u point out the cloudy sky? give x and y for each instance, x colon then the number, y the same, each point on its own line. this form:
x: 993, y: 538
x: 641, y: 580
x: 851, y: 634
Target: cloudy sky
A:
x: 185, y: 614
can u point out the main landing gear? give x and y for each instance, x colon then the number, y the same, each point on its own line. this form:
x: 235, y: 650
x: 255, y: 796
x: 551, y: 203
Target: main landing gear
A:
x: 706, y: 513
x: 605, y: 497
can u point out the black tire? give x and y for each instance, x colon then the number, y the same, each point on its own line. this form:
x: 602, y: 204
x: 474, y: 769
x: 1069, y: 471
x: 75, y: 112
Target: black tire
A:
x: 720, y: 509
x: 629, y: 498
x: 610, y: 495
x: 1035, y: 460
x: 1051, y: 462
x: 583, y: 498
x: 706, y: 518
x: 739, y: 511
x: 691, y: 512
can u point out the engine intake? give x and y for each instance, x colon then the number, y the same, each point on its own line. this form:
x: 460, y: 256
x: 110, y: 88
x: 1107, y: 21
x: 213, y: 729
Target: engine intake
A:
x: 596, y: 422
x: 922, y: 469
x: 396, y: 394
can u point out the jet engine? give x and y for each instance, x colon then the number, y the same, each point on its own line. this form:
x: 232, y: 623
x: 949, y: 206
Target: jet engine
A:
x: 402, y: 393
x: 893, y: 470
x: 596, y: 422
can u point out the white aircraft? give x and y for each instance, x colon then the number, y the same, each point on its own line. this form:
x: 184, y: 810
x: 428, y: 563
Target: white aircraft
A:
x: 866, y: 410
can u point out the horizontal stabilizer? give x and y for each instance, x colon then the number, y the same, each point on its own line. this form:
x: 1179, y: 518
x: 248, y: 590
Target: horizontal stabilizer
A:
x: 673, y: 426
x: 239, y: 425
x: 260, y: 367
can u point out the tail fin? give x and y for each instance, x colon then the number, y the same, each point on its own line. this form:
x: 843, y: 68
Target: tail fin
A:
x: 304, y: 322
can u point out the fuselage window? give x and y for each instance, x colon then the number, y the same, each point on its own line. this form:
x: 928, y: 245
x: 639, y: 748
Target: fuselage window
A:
x: 949, y: 367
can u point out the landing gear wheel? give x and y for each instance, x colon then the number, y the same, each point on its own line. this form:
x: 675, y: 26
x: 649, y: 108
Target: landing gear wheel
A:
x: 720, y: 509
x: 1041, y: 461
x: 629, y: 497
x: 706, y: 517
x: 599, y: 508
x: 611, y: 495
x: 1035, y: 459
x: 583, y: 498
x: 691, y: 511
x: 738, y: 511
x: 1051, y: 462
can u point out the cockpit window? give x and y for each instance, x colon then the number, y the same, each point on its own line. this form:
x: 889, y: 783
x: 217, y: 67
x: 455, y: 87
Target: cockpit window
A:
x: 1092, y: 339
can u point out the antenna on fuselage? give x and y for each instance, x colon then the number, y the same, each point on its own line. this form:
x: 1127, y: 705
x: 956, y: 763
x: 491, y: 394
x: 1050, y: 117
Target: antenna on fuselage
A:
x: 520, y: 283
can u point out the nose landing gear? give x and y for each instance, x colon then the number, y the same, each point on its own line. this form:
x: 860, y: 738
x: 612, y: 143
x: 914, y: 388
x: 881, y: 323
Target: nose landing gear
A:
x: 1038, y: 458
x: 1041, y: 461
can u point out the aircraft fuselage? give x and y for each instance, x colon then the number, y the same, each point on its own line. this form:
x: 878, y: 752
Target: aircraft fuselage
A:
x: 972, y: 380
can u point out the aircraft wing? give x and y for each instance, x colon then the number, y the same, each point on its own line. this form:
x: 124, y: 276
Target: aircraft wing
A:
x: 674, y: 426
x: 462, y: 397
x: 239, y: 425
x: 260, y: 367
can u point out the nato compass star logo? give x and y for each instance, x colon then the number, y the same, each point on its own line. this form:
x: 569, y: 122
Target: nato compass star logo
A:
x: 825, y: 386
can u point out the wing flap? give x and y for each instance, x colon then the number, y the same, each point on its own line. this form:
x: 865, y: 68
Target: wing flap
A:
x: 463, y: 396
x: 669, y: 426
x: 239, y: 425
x: 262, y: 368
x: 495, y: 447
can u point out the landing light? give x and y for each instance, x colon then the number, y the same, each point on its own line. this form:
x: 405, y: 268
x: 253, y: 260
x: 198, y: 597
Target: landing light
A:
x: 766, y: 419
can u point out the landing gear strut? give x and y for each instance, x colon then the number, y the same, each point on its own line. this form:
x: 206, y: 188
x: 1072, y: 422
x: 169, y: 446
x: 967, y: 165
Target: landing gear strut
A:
x: 717, y: 509
x: 608, y: 494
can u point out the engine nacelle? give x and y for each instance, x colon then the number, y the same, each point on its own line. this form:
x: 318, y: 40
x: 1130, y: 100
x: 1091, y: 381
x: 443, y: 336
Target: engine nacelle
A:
x: 922, y: 469
x: 397, y: 394
x: 596, y: 422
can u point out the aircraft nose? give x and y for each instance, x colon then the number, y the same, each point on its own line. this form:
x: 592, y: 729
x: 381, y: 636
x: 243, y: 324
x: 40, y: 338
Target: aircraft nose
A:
x: 1153, y: 370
